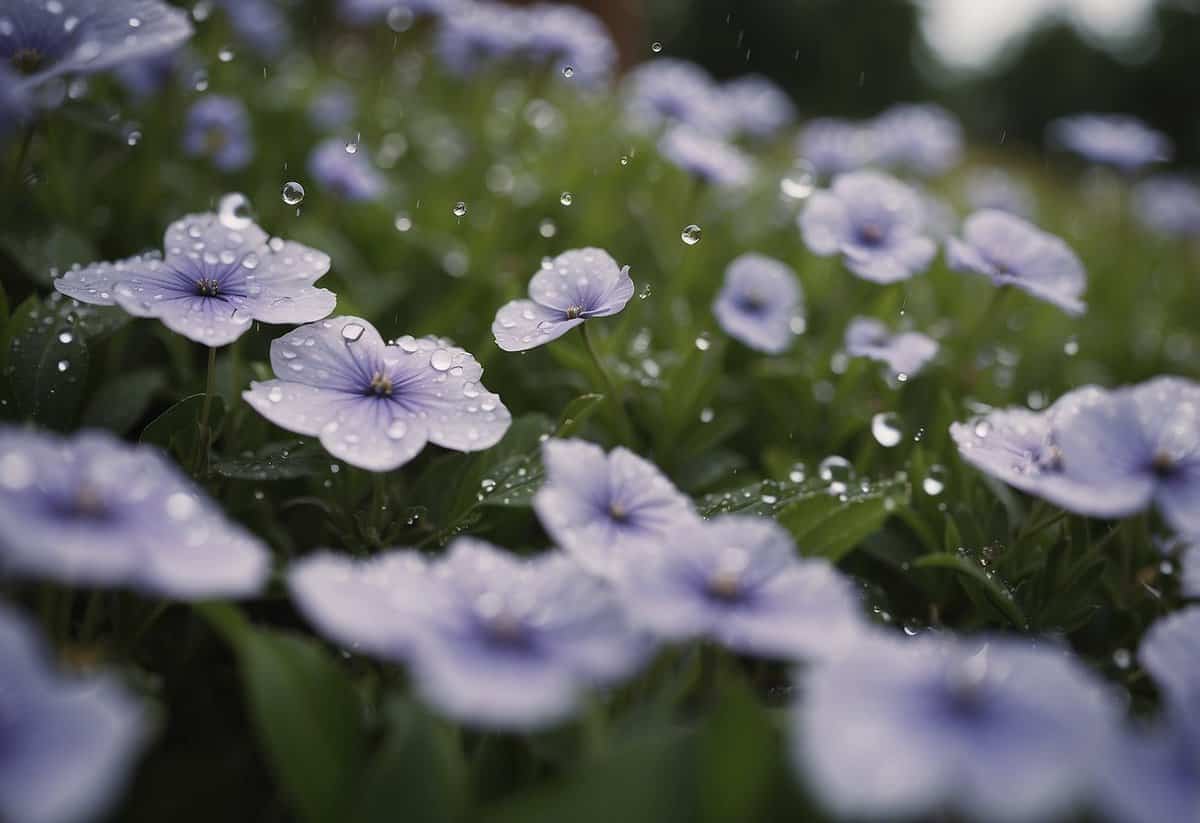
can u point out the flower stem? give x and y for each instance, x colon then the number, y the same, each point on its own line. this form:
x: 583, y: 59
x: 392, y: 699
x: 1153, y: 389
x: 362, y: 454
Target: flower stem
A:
x: 204, y: 434
x: 22, y: 154
x: 610, y: 388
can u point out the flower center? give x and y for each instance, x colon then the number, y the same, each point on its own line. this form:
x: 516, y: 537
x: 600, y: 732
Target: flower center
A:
x: 1163, y: 464
x: 26, y: 60
x: 507, y: 630
x: 208, y: 287
x: 215, y: 139
x: 381, y: 385
x: 618, y: 512
x: 870, y: 234
x: 86, y: 503
x: 725, y: 586
x: 574, y: 312
x: 752, y: 303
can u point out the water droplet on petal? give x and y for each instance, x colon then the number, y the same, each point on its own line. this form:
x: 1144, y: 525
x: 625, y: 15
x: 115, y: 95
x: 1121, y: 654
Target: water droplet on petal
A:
x: 440, y: 360
x: 352, y: 332
x: 397, y: 429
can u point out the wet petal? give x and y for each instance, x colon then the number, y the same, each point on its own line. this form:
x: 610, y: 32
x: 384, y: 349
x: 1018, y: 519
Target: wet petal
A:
x: 374, y: 434
x: 523, y: 324
x: 824, y: 224
x: 342, y: 353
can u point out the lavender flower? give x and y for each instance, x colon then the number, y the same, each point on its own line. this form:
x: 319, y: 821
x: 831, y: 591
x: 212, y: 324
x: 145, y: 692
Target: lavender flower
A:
x: 906, y: 354
x: 1190, y: 582
x: 480, y: 34
x: 1013, y: 252
x: 260, y: 23
x: 759, y: 302
x: 365, y: 11
x: 218, y: 128
x: 835, y: 146
x: 1168, y: 204
x: 219, y: 275
x: 997, y: 189
x: 569, y: 290
x: 14, y: 102
x: 916, y: 728
x: 333, y: 108
x: 606, y: 509
x: 1117, y: 140
x: 709, y: 158
x: 144, y: 79
x: 376, y: 405
x: 348, y: 176
x: 41, y: 39
x: 1132, y: 447
x: 1153, y: 775
x: 738, y: 581
x: 925, y: 139
x: 92, y: 511
x: 571, y: 38
x: 759, y: 107
x: 874, y: 222
x: 665, y: 91
x: 69, y: 743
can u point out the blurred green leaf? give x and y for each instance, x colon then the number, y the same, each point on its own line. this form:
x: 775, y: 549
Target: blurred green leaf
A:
x: 46, y: 367
x: 998, y: 595
x: 737, y: 752
x: 577, y: 413
x: 121, y: 402
x: 40, y: 255
x: 308, y: 719
x: 276, y: 461
x: 176, y: 429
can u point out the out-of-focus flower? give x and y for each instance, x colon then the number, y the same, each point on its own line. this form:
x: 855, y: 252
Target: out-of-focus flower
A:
x: 366, y: 11
x: 906, y: 353
x: 348, y: 176
x: 709, y: 158
x: 737, y: 580
x: 1013, y: 252
x: 218, y: 127
x: 574, y: 41
x: 759, y: 302
x: 376, y: 405
x: 479, y: 34
x: 874, y: 222
x: 14, y: 102
x: 923, y: 138
x: 906, y: 728
x: 333, y: 108
x: 41, y: 39
x: 997, y: 189
x: 1190, y: 579
x: 1153, y: 774
x: 835, y: 146
x: 1117, y: 140
x: 666, y: 91
x: 220, y: 273
x: 606, y: 510
x: 143, y: 79
x: 69, y: 742
x: 92, y: 511
x: 260, y: 23
x: 1168, y: 204
x: 758, y: 106
x: 568, y: 290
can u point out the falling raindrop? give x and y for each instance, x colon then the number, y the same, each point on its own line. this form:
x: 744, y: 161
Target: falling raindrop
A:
x: 63, y: 365
x: 65, y: 337
x: 935, y: 481
x: 566, y: 198
x: 656, y: 47
x: 707, y: 415
x: 646, y: 291
x: 691, y: 234
x: 293, y: 193
x: 200, y: 80
x: 460, y: 209
x: 1071, y: 347
x: 547, y: 228
x: 703, y: 342
x: 133, y: 137
x: 225, y: 55
x: 568, y: 72
x: 885, y: 427
x: 402, y: 222
x: 1122, y: 659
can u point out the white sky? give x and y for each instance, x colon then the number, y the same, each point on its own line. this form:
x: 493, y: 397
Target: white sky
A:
x: 971, y: 32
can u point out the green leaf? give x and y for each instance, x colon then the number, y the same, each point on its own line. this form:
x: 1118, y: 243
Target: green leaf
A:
x: 40, y: 255
x: 736, y: 754
x: 122, y: 401
x: 276, y: 461
x: 415, y: 776
x: 577, y: 413
x: 46, y: 366
x: 824, y: 523
x: 304, y: 710
x: 998, y: 594
x: 176, y: 430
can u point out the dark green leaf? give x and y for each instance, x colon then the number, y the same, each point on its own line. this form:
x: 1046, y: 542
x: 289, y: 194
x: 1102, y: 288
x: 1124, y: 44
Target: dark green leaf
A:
x: 736, y: 751
x: 177, y: 430
x: 577, y: 413
x: 998, y: 594
x: 46, y: 366
x: 120, y: 403
x: 276, y: 461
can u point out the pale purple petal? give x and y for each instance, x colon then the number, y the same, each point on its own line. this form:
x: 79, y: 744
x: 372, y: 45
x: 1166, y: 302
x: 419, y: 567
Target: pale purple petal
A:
x: 824, y: 222
x: 522, y: 325
x: 758, y: 302
x: 587, y: 279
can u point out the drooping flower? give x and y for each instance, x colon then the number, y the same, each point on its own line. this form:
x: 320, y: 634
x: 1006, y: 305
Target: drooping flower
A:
x: 1153, y: 774
x: 348, y: 176
x: 906, y: 353
x: 737, y: 580
x: 1013, y: 252
x: 218, y: 128
x: 874, y: 222
x: 1117, y: 140
x: 573, y: 41
x: 994, y: 188
x: 574, y: 287
x: 710, y: 159
x: 1168, y: 204
x: 759, y: 302
x: 835, y: 146
x: 666, y: 91
x: 376, y: 405
x: 923, y: 138
x: 14, y: 102
x: 219, y: 274
x: 42, y: 39
x: 759, y: 107
x: 939, y: 724
x: 93, y: 511
x: 69, y: 743
x: 606, y: 510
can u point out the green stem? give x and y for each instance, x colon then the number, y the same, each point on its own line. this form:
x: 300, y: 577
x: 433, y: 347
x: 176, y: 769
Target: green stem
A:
x: 379, y: 502
x: 204, y: 436
x: 610, y: 388
x: 22, y: 155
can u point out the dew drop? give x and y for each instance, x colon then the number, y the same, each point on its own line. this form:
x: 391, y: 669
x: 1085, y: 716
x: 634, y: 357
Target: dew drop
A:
x: 691, y: 234
x: 836, y: 471
x: 293, y: 193
x: 703, y: 343
x: 1071, y: 347
x: 352, y: 145
x: 63, y: 365
x: 225, y: 55
x: 547, y: 228
x: 65, y: 337
x: 402, y: 222
x: 133, y: 137
x: 568, y: 72
x: 397, y: 429
x: 275, y: 394
x: 646, y: 291
x: 885, y: 428
x: 440, y: 360
x: 352, y: 332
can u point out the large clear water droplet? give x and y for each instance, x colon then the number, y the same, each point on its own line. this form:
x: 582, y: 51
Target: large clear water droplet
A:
x: 352, y: 332
x: 566, y: 198
x: 935, y: 481
x: 656, y: 47
x: 293, y: 193
x: 885, y: 428
x: 440, y: 360
x: 691, y: 234
x: 837, y: 472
